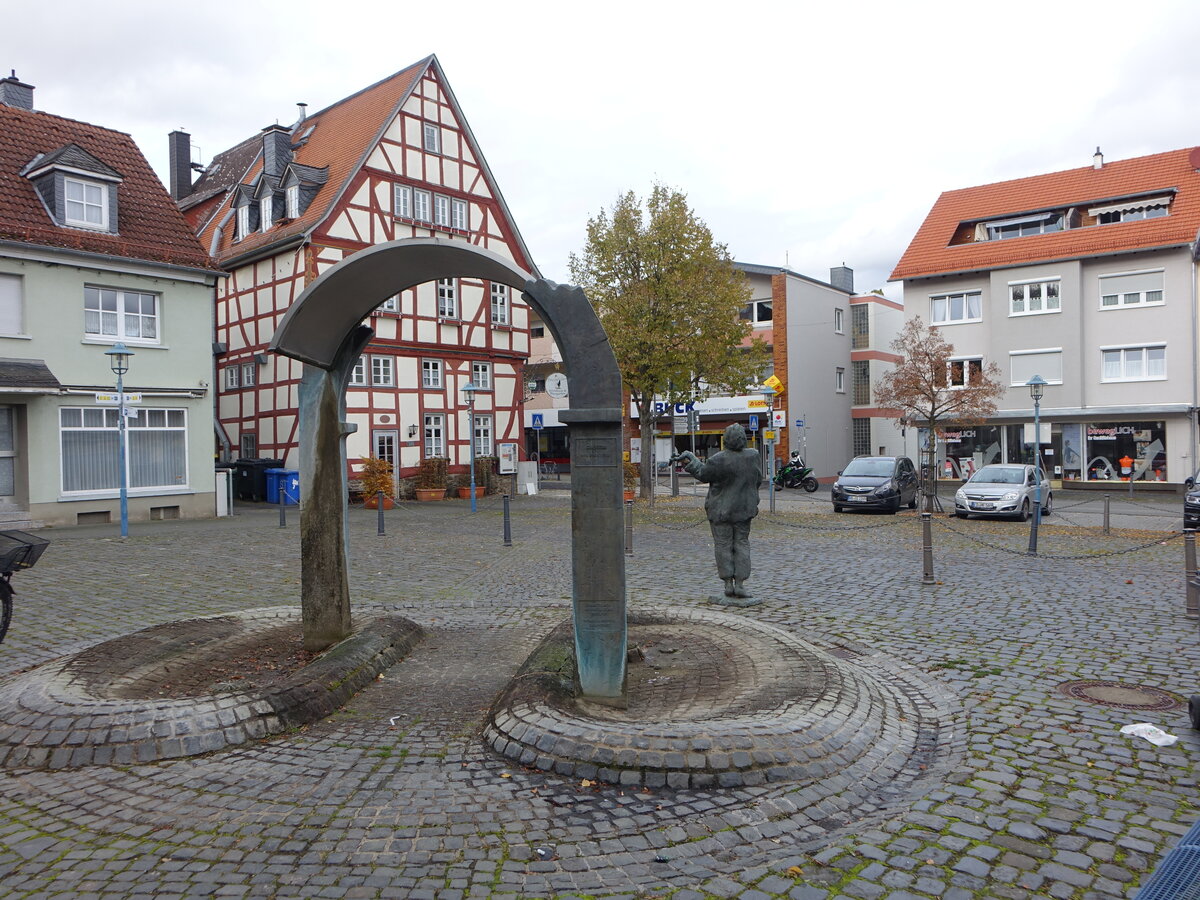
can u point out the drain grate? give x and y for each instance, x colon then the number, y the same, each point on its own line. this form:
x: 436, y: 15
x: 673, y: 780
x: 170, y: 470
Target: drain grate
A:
x: 1119, y: 695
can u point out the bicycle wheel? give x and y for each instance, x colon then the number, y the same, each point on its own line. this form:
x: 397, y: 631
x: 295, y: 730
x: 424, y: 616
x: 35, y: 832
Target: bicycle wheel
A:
x: 6, y: 595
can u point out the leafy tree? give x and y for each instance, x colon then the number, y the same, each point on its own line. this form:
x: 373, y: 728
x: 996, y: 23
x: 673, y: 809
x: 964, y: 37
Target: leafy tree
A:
x: 930, y: 389
x: 669, y: 298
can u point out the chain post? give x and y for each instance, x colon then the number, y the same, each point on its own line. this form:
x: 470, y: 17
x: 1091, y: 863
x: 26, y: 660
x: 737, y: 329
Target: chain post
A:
x: 1192, y: 607
x: 379, y: 511
x: 507, y: 524
x: 927, y: 548
x: 629, y: 528
x: 282, y: 505
x: 1106, y: 520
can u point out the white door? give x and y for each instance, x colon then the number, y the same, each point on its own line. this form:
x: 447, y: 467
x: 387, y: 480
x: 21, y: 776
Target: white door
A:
x: 8, y: 460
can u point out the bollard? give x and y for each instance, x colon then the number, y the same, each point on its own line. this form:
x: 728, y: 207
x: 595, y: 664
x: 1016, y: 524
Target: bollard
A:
x: 379, y: 507
x: 674, y: 480
x: 507, y: 524
x: 1192, y: 606
x: 629, y: 528
x: 282, y: 507
x: 927, y: 548
x: 1106, y: 513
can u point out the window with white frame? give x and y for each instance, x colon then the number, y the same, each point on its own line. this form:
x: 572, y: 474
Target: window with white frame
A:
x: 1131, y: 210
x: 265, y: 213
x: 1024, y: 364
x: 421, y: 205
x: 391, y: 304
x: 839, y: 380
x: 459, y: 215
x: 435, y: 435
x: 483, y: 435
x: 756, y: 311
x: 500, y: 311
x: 249, y: 375
x: 125, y: 315
x: 233, y: 377
x: 1123, y: 289
x: 838, y: 320
x: 964, y: 370
x: 447, y: 296
x: 402, y: 200
x: 12, y: 305
x: 1146, y: 363
x: 248, y: 445
x: 86, y: 204
x: 441, y: 210
x: 156, y: 449
x: 950, y: 309
x: 481, y: 375
x: 433, y: 137
x: 1021, y: 226
x: 292, y: 196
x: 1027, y: 298
x: 358, y: 375
x: 431, y: 373
x: 382, y: 371
x: 243, y: 221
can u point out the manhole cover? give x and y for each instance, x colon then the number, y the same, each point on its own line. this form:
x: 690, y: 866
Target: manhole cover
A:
x: 1122, y: 696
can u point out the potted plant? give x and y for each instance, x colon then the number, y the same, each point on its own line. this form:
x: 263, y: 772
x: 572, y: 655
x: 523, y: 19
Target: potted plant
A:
x: 631, y: 480
x: 483, y: 470
x: 376, y: 476
x: 431, y: 479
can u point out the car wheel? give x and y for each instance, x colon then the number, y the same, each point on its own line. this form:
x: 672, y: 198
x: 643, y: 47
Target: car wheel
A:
x: 1194, y: 711
x: 959, y: 514
x: 1049, y: 507
x: 912, y: 504
x: 837, y: 508
x: 1025, y: 510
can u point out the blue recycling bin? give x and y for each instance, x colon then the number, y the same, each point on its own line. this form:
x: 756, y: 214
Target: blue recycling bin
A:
x: 274, y: 483
x: 291, y: 487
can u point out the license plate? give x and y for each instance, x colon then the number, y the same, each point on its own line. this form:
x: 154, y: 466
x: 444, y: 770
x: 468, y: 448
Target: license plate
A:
x: 857, y: 499
x: 975, y: 505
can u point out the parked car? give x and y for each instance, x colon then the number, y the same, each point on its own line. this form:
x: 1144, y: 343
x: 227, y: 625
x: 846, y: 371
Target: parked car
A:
x: 1003, y: 490
x: 1191, y: 502
x: 876, y: 482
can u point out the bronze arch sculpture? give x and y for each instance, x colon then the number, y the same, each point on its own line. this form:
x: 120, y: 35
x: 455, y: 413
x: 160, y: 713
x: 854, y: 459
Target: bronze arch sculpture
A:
x: 323, y: 330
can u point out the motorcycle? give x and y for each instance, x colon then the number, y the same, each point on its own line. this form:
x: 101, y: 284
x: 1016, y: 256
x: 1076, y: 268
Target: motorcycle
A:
x: 796, y: 474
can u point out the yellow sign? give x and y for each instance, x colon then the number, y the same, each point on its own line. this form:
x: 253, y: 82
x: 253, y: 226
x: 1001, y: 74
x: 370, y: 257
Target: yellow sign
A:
x: 756, y: 403
x: 774, y: 382
x: 769, y: 435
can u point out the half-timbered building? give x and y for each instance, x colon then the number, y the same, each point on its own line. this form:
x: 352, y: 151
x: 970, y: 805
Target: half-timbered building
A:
x: 395, y: 160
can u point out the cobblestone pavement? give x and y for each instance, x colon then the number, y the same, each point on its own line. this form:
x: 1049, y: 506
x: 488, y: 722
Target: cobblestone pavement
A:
x: 396, y: 796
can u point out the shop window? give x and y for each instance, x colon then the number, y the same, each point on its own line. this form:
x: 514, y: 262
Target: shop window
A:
x: 1125, y: 451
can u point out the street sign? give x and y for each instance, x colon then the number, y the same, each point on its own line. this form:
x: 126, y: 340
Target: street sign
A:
x: 679, y: 424
x: 779, y: 419
x: 799, y: 423
x: 112, y: 399
x: 769, y: 436
x: 537, y: 422
x: 753, y: 422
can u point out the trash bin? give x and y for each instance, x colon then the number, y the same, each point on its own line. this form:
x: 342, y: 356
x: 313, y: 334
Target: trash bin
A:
x: 250, y: 478
x: 291, y: 487
x: 274, y: 483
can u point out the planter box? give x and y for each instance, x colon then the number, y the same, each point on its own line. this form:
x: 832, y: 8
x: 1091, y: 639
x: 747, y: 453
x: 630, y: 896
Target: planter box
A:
x: 424, y: 494
x: 369, y: 501
x: 464, y: 493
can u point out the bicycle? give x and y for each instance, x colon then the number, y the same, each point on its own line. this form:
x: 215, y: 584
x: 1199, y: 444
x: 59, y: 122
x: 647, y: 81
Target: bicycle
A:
x: 18, y: 550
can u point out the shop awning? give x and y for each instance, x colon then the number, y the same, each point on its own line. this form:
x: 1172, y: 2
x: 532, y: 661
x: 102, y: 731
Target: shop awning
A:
x: 27, y: 376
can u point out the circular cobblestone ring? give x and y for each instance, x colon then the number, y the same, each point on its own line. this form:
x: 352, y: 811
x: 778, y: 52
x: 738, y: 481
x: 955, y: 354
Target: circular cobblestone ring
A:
x: 725, y: 701
x: 84, y: 709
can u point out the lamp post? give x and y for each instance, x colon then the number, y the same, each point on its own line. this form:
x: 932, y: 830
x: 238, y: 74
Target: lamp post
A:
x: 768, y: 394
x: 469, y: 389
x: 1037, y: 387
x: 118, y: 360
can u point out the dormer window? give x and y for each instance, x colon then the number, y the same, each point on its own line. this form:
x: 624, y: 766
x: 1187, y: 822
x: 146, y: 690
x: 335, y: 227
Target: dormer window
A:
x: 243, y: 221
x: 1131, y: 210
x: 1022, y: 226
x: 86, y: 204
x: 265, y: 217
x: 293, y: 201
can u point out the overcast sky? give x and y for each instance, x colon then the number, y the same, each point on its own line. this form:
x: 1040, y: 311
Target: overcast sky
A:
x: 807, y: 135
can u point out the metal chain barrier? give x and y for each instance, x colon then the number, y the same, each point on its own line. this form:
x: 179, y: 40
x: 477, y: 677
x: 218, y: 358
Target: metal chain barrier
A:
x: 1157, y: 541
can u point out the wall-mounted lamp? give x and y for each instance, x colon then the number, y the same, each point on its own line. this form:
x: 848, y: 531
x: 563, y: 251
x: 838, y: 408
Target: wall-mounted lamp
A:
x: 412, y: 432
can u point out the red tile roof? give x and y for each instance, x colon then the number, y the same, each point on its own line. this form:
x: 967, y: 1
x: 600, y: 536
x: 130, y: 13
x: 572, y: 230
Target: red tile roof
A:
x: 343, y: 134
x: 930, y: 252
x: 149, y: 226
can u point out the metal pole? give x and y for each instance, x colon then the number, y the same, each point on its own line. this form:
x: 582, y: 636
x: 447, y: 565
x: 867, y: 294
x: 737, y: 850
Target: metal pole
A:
x: 927, y: 548
x: 629, y: 528
x: 1192, y: 607
x: 1106, y: 513
x: 507, y: 524
x: 471, y: 438
x: 1037, y: 476
x: 121, y: 457
x: 279, y: 497
x: 771, y: 481
x: 674, y: 479
x: 379, y: 512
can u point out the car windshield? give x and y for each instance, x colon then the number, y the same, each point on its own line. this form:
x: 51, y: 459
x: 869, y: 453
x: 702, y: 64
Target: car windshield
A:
x: 878, y: 467
x: 999, y: 475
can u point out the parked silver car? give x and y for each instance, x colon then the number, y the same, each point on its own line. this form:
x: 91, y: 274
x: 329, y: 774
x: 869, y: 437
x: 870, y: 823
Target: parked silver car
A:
x: 1003, y: 490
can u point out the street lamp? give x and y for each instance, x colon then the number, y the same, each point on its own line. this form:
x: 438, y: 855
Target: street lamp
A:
x: 469, y: 389
x: 118, y: 360
x: 768, y: 393
x: 1037, y: 387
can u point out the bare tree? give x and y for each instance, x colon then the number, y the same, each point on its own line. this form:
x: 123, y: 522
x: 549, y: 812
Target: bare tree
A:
x: 930, y: 389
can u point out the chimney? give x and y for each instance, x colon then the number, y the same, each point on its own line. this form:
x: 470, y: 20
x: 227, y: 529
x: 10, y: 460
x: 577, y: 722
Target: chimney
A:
x: 1098, y: 160
x: 842, y: 277
x: 277, y: 149
x: 16, y: 93
x: 303, y: 107
x: 180, y: 143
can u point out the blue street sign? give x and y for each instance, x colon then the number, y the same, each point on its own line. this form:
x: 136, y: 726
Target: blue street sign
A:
x: 537, y: 421
x: 753, y: 422
x: 799, y: 423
